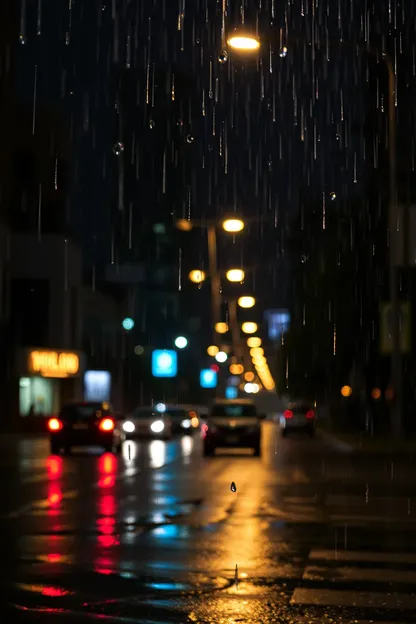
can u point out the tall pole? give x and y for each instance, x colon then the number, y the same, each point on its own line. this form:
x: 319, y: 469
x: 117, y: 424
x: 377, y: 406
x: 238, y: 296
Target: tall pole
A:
x: 396, y: 375
x: 214, y: 278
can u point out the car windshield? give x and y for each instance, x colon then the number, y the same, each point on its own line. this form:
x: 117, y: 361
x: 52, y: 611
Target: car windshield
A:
x: 83, y: 411
x: 178, y: 413
x: 299, y: 407
x: 234, y: 411
x: 140, y: 413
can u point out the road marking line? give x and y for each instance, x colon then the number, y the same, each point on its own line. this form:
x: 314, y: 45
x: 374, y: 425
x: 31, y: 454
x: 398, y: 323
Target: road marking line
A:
x: 358, y: 555
x: 346, y: 598
x: 347, y: 574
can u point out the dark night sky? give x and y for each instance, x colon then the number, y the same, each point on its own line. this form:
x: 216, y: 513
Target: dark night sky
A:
x: 258, y: 138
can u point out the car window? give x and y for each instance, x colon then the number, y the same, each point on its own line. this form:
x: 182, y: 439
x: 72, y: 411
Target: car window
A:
x: 141, y: 413
x: 178, y: 413
x: 234, y: 411
x: 83, y: 411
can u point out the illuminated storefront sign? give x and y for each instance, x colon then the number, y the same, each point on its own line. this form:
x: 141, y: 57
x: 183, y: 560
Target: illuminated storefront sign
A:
x: 53, y: 363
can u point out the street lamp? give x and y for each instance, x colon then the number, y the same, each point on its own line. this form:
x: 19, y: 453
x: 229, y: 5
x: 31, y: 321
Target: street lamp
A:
x: 221, y: 328
x: 233, y: 225
x: 197, y: 277
x: 184, y: 224
x: 249, y: 328
x: 243, y: 42
x: 247, y: 43
x: 181, y: 342
x: 212, y: 350
x: 235, y: 275
x: 253, y: 341
x: 221, y: 357
x: 246, y: 302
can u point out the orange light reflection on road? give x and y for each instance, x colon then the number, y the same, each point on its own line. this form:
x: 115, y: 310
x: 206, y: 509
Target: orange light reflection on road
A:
x: 54, y: 495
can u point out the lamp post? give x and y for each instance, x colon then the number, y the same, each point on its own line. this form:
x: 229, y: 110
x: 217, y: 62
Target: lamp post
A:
x: 247, y: 44
x: 232, y: 225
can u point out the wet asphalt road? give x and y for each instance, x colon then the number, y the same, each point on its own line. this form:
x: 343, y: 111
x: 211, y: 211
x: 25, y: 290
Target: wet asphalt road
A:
x: 155, y: 535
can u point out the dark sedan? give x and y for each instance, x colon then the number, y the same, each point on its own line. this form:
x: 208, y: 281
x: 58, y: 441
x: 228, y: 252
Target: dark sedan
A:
x: 85, y: 424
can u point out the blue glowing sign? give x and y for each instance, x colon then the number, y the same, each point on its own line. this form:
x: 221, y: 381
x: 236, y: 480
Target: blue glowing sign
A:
x: 208, y: 378
x: 164, y: 363
x: 278, y: 322
x: 231, y: 392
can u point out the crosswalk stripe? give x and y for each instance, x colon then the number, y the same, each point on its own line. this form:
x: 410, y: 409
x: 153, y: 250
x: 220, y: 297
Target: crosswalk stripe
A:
x: 348, y: 598
x: 362, y: 556
x: 356, y: 575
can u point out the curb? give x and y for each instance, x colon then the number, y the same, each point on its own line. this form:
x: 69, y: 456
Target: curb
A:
x: 332, y: 440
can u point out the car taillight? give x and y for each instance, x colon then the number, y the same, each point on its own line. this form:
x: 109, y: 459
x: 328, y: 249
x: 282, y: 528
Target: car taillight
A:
x: 310, y: 414
x: 288, y: 414
x: 107, y: 424
x: 54, y: 424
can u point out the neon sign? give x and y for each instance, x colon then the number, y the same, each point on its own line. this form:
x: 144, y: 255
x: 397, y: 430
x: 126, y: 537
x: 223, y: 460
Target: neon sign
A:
x: 53, y: 363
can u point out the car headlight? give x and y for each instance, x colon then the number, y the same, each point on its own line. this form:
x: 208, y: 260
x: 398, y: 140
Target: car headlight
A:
x: 157, y: 426
x: 186, y: 424
x: 128, y: 426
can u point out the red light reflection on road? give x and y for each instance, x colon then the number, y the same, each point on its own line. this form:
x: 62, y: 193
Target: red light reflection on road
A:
x: 54, y: 495
x: 106, y: 525
x: 53, y: 558
x: 55, y: 592
x: 107, y: 467
x: 54, y: 466
x: 107, y: 505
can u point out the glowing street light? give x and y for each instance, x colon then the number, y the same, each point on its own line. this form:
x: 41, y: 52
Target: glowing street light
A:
x: 233, y: 225
x: 243, y: 42
x: 246, y: 302
x: 235, y: 275
x: 221, y: 357
x: 197, y: 277
x: 184, y: 225
x: 253, y: 341
x: 212, y: 350
x: 128, y: 324
x: 181, y: 342
x: 221, y: 328
x: 249, y: 328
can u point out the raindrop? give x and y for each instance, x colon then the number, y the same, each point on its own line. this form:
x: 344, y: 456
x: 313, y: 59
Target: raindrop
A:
x: 151, y: 124
x: 190, y: 138
x: 283, y: 52
x: 304, y: 259
x: 118, y: 148
x: 22, y: 39
x: 223, y: 56
x: 179, y: 123
x: 332, y: 195
x: 233, y: 487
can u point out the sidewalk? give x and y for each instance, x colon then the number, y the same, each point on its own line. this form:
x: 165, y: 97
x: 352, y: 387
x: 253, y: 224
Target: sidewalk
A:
x: 360, y: 442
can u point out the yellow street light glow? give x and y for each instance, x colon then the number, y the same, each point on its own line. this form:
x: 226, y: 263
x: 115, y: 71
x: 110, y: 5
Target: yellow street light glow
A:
x: 246, y: 302
x: 236, y: 369
x: 184, y: 225
x: 233, y: 225
x: 212, y: 350
x: 253, y: 341
x: 256, y: 352
x: 197, y: 277
x: 235, y: 275
x: 249, y: 376
x: 346, y: 391
x: 249, y: 328
x: 221, y: 328
x: 246, y: 43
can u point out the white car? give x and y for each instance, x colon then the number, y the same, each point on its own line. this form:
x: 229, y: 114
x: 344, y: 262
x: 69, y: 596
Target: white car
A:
x: 298, y: 416
x: 147, y: 422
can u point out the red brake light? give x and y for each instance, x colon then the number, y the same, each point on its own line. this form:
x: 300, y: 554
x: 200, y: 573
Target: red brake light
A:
x: 310, y: 414
x: 54, y: 424
x: 287, y: 414
x: 107, y: 424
